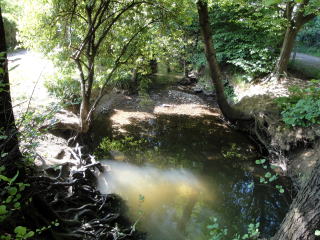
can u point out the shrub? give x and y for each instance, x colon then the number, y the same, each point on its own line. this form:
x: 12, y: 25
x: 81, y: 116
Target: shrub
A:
x: 65, y: 89
x: 302, y: 106
x: 10, y: 28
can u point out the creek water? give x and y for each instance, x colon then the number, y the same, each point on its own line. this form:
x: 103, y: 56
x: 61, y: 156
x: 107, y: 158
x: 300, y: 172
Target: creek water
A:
x: 188, y: 171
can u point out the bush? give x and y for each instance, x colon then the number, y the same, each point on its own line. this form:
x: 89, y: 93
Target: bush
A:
x: 65, y: 89
x: 302, y: 107
x: 10, y: 28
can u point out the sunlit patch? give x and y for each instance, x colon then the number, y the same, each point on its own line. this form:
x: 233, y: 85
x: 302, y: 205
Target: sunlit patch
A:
x: 122, y: 118
x: 185, y: 109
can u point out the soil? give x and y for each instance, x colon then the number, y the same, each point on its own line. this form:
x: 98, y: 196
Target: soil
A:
x: 295, y: 149
x: 124, y: 110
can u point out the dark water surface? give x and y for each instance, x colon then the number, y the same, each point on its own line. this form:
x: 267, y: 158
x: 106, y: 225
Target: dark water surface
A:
x: 188, y: 171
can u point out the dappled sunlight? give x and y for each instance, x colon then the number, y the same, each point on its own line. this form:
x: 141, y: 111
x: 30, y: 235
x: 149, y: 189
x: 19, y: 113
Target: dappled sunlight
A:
x: 121, y: 118
x: 185, y: 109
x: 271, y: 88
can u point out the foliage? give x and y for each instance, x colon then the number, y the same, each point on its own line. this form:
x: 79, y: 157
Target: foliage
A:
x: 219, y: 233
x: 125, y: 145
x: 302, y: 106
x: 11, y: 193
x: 11, y: 33
x: 308, y: 39
x: 216, y: 232
x: 11, y: 11
x: 249, y: 38
x: 233, y: 153
x: 65, y: 88
x: 245, y: 35
x: 269, y: 177
x: 119, y: 38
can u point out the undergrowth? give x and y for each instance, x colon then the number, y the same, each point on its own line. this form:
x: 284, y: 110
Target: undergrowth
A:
x: 302, y: 106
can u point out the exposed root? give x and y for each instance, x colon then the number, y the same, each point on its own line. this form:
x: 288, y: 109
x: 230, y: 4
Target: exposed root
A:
x: 69, y: 196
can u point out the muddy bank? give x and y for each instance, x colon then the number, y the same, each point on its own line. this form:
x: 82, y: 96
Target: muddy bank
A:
x: 293, y: 149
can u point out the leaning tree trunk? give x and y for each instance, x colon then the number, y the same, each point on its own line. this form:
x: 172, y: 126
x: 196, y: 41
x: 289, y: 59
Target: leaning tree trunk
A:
x: 287, y: 47
x: 229, y: 112
x: 9, y: 147
x: 303, y: 217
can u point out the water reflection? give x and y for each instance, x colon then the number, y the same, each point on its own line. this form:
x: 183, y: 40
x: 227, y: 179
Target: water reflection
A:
x: 189, y: 170
x: 177, y: 204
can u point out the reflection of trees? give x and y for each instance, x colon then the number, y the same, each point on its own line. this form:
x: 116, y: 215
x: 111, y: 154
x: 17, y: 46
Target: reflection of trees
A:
x: 240, y: 205
x: 181, y: 142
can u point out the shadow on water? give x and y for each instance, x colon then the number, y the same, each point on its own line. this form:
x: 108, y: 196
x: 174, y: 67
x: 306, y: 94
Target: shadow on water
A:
x: 191, y: 169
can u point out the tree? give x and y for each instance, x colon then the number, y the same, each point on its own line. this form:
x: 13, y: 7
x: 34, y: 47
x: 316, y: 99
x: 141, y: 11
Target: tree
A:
x: 297, y: 13
x: 99, y: 37
x: 227, y: 110
x: 303, y: 218
x: 9, y: 147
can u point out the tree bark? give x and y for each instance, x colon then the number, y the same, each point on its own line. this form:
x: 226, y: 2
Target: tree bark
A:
x: 227, y: 110
x: 85, y: 117
x: 10, y: 144
x: 303, y: 217
x: 287, y: 47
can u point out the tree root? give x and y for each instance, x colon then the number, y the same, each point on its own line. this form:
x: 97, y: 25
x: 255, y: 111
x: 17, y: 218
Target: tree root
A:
x: 82, y: 212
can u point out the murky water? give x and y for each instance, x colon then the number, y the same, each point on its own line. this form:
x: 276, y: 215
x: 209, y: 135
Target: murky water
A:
x: 189, y: 170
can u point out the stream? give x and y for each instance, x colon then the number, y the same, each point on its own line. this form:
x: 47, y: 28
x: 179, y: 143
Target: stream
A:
x: 192, y: 172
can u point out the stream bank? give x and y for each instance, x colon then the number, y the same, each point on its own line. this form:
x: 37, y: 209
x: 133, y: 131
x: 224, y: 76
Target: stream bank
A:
x: 294, y: 149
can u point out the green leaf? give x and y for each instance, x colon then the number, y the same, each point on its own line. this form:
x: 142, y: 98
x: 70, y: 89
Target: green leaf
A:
x: 14, y: 178
x: 4, y: 178
x: 273, y: 178
x: 268, y: 175
x: 3, y: 137
x: 17, y: 205
x: 3, y: 210
x: 12, y: 190
x: 20, y: 231
x: 9, y: 199
x: 29, y: 234
x: 317, y: 233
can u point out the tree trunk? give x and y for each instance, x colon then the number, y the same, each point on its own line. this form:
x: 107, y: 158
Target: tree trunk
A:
x: 85, y: 119
x: 229, y: 112
x: 296, y: 16
x: 185, y: 69
x: 287, y: 47
x: 9, y: 145
x: 154, y: 66
x: 303, y: 217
